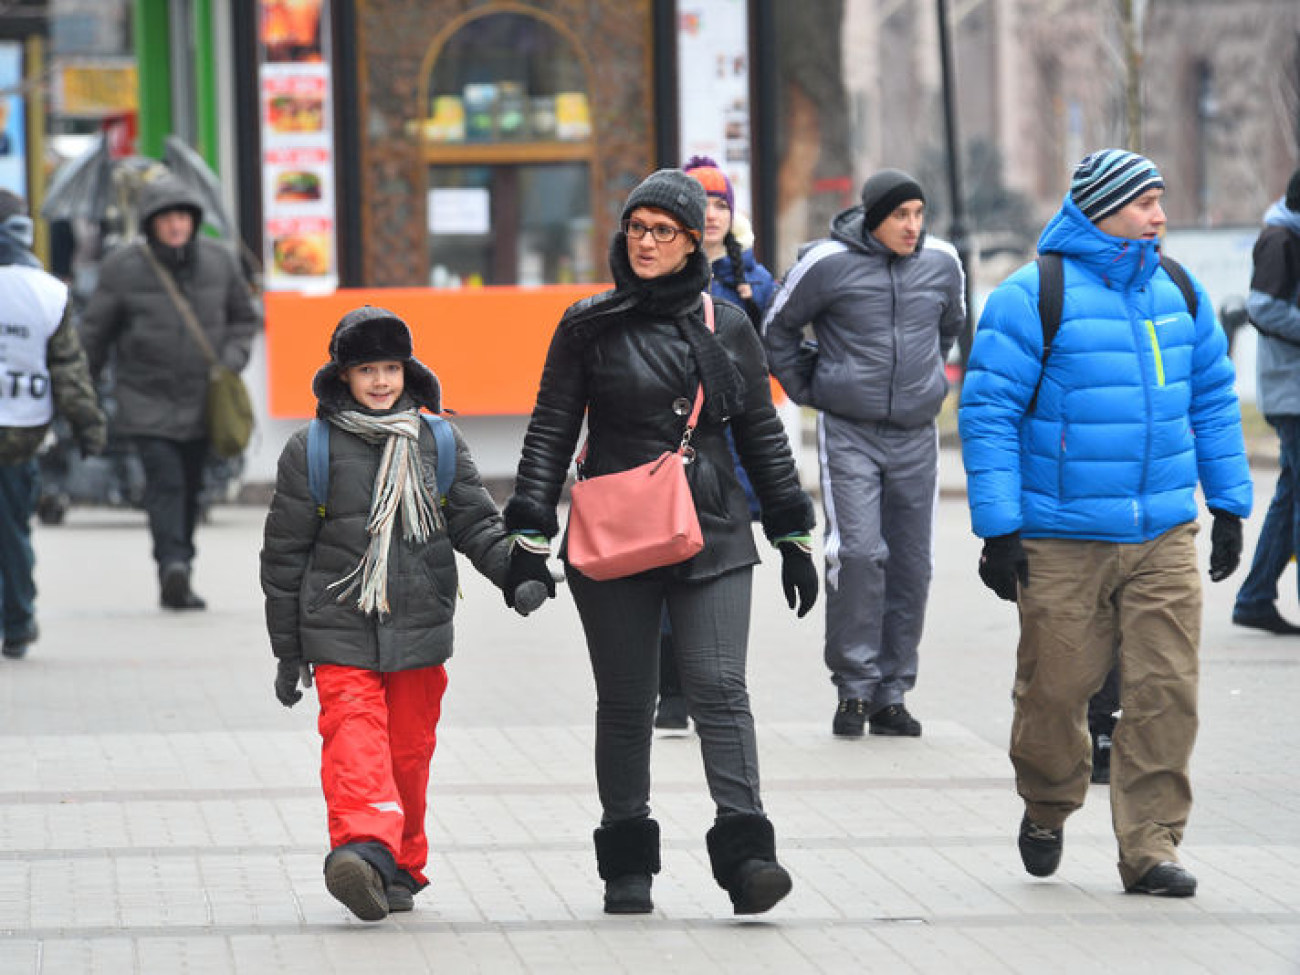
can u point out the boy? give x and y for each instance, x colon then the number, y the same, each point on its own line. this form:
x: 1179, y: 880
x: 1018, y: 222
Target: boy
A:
x: 361, y: 590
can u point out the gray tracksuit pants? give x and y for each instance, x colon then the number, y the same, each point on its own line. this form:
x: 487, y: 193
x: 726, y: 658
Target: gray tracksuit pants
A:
x: 878, y: 489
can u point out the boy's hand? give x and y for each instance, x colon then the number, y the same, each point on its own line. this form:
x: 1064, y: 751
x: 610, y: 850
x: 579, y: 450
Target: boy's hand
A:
x: 288, y: 671
x: 528, y: 581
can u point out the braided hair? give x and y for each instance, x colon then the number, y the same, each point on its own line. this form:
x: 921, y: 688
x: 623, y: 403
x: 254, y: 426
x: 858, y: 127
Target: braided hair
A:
x: 739, y: 282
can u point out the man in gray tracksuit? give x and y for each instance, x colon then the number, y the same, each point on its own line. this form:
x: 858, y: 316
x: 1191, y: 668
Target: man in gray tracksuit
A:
x: 885, y: 304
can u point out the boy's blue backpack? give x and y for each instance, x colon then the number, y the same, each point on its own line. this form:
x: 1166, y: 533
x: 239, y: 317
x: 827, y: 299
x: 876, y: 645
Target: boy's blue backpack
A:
x: 318, y: 459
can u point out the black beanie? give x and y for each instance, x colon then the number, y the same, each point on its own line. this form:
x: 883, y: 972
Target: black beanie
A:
x: 1293, y: 192
x: 883, y: 192
x: 370, y: 334
x: 672, y: 191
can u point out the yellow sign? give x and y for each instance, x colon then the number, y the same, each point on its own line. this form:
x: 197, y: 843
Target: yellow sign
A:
x: 98, y: 89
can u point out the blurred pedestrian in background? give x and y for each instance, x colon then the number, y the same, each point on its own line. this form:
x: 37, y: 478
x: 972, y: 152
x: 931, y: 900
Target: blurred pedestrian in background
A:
x: 160, y: 370
x: 45, y: 373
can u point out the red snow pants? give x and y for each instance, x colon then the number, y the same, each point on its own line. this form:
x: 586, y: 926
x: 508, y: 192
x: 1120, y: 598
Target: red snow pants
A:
x: 378, y: 732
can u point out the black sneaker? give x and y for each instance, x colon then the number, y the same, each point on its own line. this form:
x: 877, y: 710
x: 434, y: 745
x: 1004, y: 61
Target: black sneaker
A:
x: 16, y: 647
x: 850, y: 718
x: 1040, y: 847
x: 400, y: 899
x: 672, y: 714
x: 176, y: 591
x: 1166, y: 879
x: 1267, y: 619
x: 1101, y: 746
x: 896, y: 721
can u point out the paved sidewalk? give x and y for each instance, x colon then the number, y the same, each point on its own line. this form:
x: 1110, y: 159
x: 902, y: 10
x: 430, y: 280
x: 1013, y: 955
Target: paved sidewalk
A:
x: 160, y: 812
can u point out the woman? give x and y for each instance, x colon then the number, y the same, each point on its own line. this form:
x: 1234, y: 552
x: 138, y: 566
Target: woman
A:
x: 630, y: 361
x: 728, y: 244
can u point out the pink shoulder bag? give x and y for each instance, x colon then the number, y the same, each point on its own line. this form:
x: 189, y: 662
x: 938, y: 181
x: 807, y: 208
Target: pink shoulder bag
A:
x: 643, y: 518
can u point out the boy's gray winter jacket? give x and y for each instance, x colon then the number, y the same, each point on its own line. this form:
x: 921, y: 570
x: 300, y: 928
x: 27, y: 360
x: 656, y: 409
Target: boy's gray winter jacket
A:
x: 303, y: 553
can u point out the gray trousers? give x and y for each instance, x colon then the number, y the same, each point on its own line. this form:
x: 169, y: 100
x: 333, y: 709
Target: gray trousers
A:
x: 878, y: 489
x: 710, y: 621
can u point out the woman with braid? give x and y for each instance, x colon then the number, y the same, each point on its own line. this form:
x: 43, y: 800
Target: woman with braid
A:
x: 360, y: 589
x: 741, y: 280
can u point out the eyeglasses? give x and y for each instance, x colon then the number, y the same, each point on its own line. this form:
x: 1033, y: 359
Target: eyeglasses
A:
x: 663, y: 233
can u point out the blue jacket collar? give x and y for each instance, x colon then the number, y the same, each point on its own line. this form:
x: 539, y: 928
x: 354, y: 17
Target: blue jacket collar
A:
x: 1119, y: 263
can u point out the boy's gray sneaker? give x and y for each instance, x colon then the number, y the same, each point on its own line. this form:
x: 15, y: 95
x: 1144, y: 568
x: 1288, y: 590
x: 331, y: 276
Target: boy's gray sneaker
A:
x: 356, y: 884
x: 400, y: 899
x: 1167, y: 879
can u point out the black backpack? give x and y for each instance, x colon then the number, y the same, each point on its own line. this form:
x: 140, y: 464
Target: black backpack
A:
x: 1051, y: 296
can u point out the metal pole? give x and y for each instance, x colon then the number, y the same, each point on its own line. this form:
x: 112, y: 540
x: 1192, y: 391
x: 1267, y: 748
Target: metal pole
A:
x: 957, y: 226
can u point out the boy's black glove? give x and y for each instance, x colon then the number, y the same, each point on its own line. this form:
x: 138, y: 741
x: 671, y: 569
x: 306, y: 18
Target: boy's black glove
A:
x: 288, y: 672
x: 1003, y: 563
x: 527, y: 578
x: 1225, y: 545
x: 798, y: 577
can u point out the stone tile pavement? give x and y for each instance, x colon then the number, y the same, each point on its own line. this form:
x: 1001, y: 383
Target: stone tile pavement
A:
x: 160, y: 812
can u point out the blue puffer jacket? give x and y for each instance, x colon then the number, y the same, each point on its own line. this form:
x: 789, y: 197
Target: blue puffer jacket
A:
x: 1136, y: 403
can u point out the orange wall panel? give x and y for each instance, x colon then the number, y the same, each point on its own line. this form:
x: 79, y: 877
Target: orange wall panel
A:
x: 486, y: 345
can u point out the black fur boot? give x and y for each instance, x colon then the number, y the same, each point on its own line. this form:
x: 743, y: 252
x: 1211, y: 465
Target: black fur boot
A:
x: 742, y: 850
x: 627, y: 856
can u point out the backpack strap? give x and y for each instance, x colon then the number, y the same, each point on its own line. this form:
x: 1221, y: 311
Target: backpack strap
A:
x: 445, y: 439
x: 1184, y: 282
x: 318, y: 459
x: 318, y: 463
x: 1051, y: 298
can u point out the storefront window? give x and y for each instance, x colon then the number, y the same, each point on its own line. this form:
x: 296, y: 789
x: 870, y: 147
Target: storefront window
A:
x: 509, y: 145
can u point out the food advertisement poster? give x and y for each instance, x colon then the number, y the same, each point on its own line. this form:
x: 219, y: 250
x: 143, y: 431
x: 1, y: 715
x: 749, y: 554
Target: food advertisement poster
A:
x: 297, y: 119
x: 13, y: 122
x: 713, y: 97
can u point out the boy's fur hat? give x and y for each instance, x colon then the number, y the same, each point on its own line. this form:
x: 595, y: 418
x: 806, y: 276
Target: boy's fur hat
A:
x: 371, y: 334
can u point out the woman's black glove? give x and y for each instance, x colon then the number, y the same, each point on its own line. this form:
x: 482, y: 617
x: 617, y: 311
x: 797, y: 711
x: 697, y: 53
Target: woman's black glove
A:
x: 798, y: 576
x: 1003, y: 563
x: 1225, y: 545
x: 529, y: 582
x: 288, y: 672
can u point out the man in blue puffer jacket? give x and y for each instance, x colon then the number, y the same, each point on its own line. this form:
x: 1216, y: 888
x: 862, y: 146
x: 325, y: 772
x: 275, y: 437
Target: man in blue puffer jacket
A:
x: 1082, y: 471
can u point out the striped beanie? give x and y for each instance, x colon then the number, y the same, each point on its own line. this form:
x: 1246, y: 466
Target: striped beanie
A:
x: 712, y: 178
x: 1107, y: 181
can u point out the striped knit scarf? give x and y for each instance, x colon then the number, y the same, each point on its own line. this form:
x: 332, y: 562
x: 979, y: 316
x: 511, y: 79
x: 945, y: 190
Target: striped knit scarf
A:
x: 399, y: 491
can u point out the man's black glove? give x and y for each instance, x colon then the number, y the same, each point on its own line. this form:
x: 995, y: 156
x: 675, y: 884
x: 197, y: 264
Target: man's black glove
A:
x: 288, y: 671
x: 798, y: 577
x: 1225, y: 545
x: 1003, y: 563
x: 526, y: 578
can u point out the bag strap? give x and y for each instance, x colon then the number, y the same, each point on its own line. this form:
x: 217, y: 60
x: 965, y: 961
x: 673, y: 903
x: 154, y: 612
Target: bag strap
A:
x: 318, y: 459
x: 1184, y: 282
x: 182, y: 305
x: 695, y: 410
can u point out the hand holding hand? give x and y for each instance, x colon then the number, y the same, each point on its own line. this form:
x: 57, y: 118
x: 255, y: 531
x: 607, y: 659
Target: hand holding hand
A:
x: 798, y: 576
x: 529, y: 582
x: 288, y: 672
x: 1225, y: 545
x: 1003, y: 563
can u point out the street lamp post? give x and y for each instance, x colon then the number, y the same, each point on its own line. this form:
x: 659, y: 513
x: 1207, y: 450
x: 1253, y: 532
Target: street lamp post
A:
x: 957, y: 226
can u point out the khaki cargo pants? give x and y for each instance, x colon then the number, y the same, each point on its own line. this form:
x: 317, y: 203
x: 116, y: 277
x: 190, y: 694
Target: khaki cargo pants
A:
x: 1087, y: 601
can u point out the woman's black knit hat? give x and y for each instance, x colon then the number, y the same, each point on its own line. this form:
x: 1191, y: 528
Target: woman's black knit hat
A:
x: 672, y: 191
x: 370, y: 334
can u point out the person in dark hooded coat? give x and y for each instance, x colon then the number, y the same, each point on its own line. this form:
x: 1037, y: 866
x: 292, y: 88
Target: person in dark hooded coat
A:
x: 160, y: 371
x: 360, y: 591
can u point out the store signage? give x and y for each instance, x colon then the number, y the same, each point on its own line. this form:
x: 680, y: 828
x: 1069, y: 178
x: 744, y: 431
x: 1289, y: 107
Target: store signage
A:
x: 96, y: 88
x: 713, y: 88
x: 299, y: 219
x: 13, y: 119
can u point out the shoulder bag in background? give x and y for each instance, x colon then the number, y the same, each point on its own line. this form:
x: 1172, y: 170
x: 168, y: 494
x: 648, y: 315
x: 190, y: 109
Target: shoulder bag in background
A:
x: 643, y: 518
x: 229, y: 409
